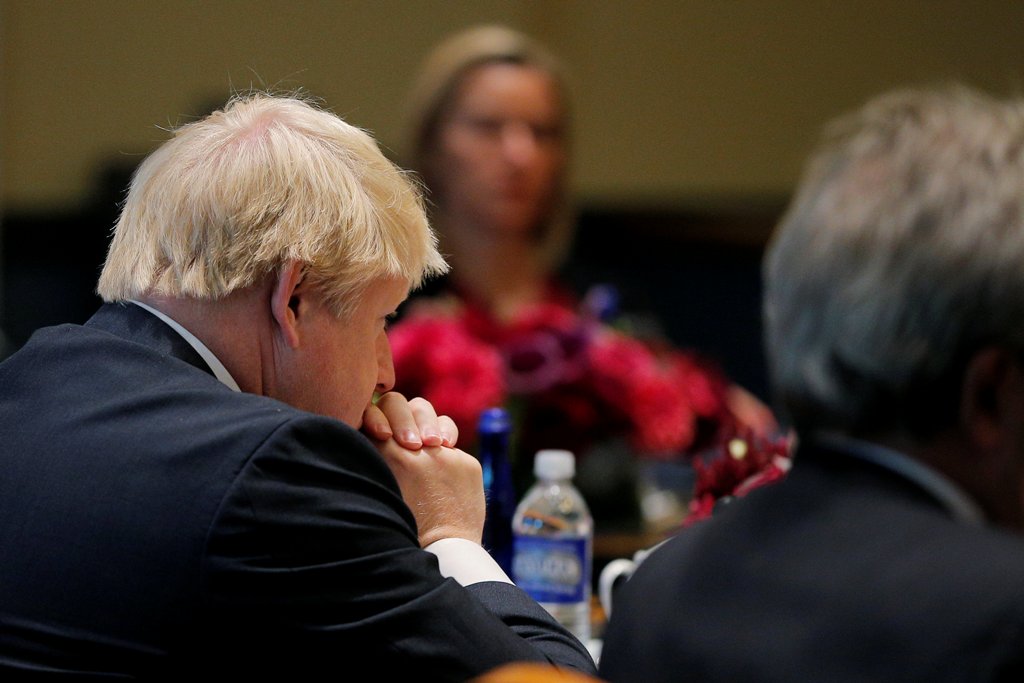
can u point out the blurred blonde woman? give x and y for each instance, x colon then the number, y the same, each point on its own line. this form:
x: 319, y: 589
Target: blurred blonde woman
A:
x: 489, y: 131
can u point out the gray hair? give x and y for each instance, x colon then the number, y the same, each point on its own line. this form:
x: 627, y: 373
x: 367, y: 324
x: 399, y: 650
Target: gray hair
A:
x: 901, y: 254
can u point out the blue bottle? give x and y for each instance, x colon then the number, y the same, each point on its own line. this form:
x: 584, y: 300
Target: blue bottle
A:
x: 494, y: 430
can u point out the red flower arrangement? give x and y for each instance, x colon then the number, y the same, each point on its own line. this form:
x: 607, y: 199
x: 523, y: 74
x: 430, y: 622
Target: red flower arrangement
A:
x: 570, y: 379
x: 573, y: 380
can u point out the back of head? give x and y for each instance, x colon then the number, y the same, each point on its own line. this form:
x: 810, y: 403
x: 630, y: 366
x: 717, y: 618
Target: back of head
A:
x: 232, y: 197
x: 901, y: 254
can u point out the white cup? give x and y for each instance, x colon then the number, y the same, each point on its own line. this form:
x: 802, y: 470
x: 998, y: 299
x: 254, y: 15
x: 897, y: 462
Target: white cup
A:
x: 616, y: 572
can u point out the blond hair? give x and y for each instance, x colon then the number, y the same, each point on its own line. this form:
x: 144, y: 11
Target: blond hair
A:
x: 269, y: 179
x: 435, y: 91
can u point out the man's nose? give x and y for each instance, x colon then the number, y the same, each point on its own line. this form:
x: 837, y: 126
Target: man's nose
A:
x: 385, y: 367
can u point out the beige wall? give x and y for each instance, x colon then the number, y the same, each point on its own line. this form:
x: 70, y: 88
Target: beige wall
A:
x: 677, y: 101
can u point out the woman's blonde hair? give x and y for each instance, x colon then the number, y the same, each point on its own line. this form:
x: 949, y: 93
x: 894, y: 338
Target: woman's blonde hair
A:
x: 269, y: 179
x: 437, y: 87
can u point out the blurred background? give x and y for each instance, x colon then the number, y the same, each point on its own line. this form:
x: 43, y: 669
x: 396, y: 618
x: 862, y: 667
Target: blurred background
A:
x: 691, y: 120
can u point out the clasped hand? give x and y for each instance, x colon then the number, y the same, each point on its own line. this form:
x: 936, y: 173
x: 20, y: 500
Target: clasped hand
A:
x: 441, y: 484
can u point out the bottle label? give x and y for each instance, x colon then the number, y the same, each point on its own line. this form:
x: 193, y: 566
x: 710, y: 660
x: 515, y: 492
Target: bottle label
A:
x: 552, y: 569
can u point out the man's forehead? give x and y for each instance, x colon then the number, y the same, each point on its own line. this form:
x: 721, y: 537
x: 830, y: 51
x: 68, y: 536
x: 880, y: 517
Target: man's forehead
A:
x: 387, y: 290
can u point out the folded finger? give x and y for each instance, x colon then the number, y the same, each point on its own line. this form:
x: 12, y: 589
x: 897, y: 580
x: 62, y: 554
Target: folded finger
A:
x: 375, y: 424
x: 399, y: 415
x: 426, y: 421
x: 449, y: 431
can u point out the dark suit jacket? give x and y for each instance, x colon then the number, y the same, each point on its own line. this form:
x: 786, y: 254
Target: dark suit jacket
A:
x: 155, y: 524
x: 844, y: 571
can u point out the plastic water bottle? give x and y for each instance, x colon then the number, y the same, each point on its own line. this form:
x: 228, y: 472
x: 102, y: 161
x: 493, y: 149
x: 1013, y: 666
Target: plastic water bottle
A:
x: 552, y: 543
x: 494, y: 429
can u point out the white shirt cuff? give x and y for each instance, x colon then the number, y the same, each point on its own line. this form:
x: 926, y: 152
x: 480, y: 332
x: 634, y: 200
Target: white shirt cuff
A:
x: 466, y: 562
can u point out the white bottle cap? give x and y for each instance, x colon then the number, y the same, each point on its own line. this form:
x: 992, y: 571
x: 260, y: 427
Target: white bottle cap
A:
x: 554, y: 464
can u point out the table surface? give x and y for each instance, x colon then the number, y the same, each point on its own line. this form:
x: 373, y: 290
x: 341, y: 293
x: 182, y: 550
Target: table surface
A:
x: 611, y: 546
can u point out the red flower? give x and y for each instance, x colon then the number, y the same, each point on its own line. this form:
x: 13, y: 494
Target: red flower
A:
x: 740, y: 466
x: 628, y: 374
x: 705, y: 387
x: 437, y: 359
x: 663, y: 422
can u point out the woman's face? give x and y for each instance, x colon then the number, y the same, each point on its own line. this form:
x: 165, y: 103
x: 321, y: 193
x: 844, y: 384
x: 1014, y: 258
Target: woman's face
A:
x: 500, y: 154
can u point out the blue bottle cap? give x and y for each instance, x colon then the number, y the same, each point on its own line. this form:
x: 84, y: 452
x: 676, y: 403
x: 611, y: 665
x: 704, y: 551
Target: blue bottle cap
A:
x: 493, y: 421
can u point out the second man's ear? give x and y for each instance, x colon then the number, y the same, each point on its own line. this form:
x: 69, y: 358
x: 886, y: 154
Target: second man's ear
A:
x: 285, y: 301
x: 990, y: 381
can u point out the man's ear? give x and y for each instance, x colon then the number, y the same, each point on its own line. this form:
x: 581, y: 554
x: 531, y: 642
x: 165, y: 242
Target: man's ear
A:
x: 989, y: 394
x: 285, y: 299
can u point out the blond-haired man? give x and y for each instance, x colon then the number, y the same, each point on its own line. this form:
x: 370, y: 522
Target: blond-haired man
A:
x: 185, y: 490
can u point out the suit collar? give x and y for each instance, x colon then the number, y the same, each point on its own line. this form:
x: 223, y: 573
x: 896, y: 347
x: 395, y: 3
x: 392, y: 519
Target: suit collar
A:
x: 219, y: 371
x: 927, y: 480
x: 135, y: 324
